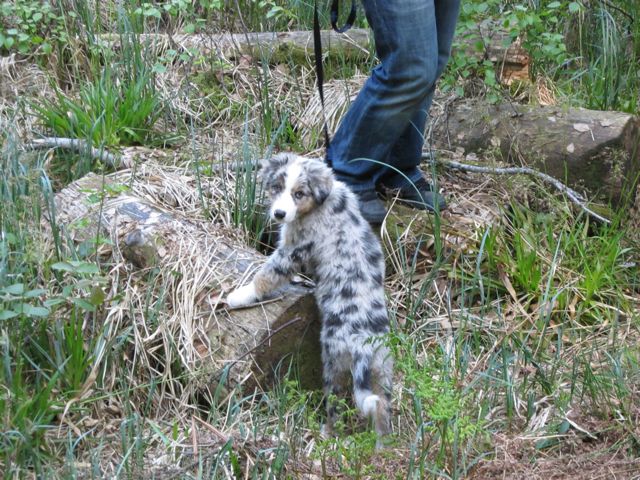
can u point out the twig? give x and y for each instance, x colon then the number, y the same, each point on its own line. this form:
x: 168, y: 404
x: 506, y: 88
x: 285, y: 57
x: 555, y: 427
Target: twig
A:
x: 77, y: 145
x: 574, y: 196
x: 221, y: 437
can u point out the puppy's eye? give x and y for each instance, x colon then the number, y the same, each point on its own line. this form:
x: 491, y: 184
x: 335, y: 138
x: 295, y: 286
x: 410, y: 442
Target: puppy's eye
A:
x: 275, y: 189
x: 298, y: 195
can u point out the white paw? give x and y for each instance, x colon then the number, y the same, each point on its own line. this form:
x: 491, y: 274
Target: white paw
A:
x: 243, y: 296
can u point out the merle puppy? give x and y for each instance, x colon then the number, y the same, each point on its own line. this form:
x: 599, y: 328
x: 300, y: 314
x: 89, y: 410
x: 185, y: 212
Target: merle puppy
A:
x: 323, y: 232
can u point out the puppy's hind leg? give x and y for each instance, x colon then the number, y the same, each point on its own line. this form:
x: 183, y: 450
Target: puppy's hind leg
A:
x: 334, y: 386
x: 383, y: 380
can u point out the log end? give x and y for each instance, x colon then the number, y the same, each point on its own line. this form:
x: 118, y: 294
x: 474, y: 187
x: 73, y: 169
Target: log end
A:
x: 293, y: 344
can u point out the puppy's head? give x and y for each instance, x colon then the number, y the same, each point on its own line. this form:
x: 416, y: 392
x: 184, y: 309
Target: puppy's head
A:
x: 296, y: 185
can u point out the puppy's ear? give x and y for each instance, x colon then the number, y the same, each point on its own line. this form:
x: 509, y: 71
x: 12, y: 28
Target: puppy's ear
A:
x: 320, y: 180
x: 276, y: 161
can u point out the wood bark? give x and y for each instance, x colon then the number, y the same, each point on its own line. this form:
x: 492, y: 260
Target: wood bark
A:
x: 511, y: 60
x: 270, y: 45
x: 587, y: 149
x: 253, y: 342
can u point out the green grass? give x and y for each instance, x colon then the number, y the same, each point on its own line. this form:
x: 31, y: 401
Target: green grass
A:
x: 118, y: 106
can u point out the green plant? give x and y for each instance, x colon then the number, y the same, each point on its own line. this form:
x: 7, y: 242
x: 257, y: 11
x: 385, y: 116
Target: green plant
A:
x: 607, y: 69
x: 590, y: 54
x: 110, y: 111
x: 27, y: 403
x: 275, y: 11
x: 441, y: 408
x: 353, y: 454
x: 536, y: 25
x: 31, y: 25
x: 190, y: 12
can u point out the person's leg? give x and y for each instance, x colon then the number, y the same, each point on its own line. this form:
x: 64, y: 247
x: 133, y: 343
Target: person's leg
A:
x: 406, y: 41
x: 407, y: 152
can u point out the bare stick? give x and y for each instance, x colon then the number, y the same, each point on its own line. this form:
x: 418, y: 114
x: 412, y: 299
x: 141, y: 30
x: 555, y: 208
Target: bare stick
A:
x: 574, y: 196
x: 75, y: 144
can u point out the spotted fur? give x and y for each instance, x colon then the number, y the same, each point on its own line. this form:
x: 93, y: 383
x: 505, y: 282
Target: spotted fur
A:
x: 323, y: 232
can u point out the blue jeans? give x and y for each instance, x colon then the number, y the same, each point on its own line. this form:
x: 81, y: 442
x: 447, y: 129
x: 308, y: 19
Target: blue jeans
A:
x: 385, y: 124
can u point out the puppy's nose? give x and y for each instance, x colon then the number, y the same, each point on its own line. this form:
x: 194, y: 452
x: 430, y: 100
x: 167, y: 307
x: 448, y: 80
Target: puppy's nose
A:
x: 279, y: 214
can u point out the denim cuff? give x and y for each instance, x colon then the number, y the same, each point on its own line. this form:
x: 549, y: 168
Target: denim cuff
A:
x: 355, y: 186
x: 396, y: 180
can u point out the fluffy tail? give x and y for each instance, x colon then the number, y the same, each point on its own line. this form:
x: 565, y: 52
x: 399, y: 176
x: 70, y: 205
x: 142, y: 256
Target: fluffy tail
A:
x: 371, y: 405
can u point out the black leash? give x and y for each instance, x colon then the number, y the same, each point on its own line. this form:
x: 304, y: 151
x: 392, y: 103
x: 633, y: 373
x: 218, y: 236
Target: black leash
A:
x: 317, y: 50
x: 334, y: 16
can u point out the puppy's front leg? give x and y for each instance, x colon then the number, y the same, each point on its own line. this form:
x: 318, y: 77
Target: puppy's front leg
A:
x: 274, y: 273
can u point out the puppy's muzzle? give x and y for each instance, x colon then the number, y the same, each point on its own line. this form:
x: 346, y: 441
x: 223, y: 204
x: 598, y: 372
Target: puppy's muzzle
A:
x: 279, y: 214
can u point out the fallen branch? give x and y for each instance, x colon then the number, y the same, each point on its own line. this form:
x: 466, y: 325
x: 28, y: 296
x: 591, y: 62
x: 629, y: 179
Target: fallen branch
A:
x: 81, y: 146
x: 511, y: 60
x: 574, y: 196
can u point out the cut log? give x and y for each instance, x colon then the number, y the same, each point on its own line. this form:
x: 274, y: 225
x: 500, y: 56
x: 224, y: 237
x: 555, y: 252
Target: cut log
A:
x: 274, y: 46
x: 511, y: 60
x: 587, y: 149
x: 176, y: 270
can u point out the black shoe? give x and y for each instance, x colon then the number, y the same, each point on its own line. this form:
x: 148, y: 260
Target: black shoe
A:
x: 419, y: 195
x: 371, y: 207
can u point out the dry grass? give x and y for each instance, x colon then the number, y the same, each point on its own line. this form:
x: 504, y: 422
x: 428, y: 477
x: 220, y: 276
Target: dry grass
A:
x: 20, y: 80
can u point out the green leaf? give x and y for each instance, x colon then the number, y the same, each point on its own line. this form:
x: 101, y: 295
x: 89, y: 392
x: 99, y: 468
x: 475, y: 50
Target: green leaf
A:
x: 159, y: 68
x: 86, y: 267
x: 7, y: 314
x: 153, y: 12
x: 35, y: 293
x: 52, y: 302
x: 76, y: 267
x: 97, y: 296
x: 15, y: 289
x: 82, y: 303
x: 574, y: 7
x: 33, y: 311
x: 63, y: 267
